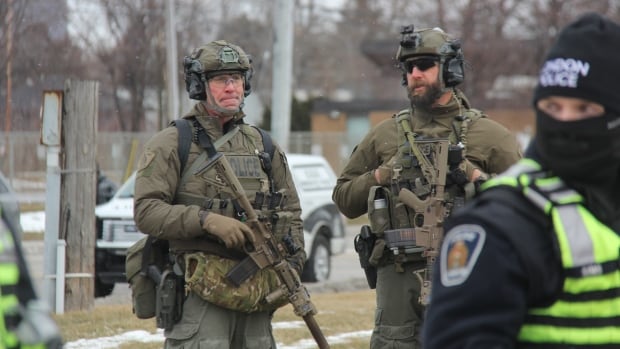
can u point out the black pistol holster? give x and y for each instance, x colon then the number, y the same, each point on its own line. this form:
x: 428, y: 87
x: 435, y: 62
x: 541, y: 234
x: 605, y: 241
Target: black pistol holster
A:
x: 169, y: 304
x: 364, y: 244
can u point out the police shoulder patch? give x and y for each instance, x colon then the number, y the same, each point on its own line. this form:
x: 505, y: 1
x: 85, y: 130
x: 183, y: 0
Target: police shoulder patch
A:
x: 146, y: 159
x: 459, y: 253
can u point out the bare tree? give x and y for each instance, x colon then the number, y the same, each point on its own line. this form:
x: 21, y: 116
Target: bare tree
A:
x: 130, y: 51
x: 123, y: 44
x: 507, y: 40
x: 131, y: 63
x: 42, y: 57
x: 255, y: 36
x: 17, y: 16
x: 132, y: 54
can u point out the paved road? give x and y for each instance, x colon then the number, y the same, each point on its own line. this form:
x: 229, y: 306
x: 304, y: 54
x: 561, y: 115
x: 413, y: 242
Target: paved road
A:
x: 346, y: 273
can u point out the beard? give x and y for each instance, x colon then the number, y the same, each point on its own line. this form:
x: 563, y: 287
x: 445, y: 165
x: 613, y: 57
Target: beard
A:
x: 426, y: 100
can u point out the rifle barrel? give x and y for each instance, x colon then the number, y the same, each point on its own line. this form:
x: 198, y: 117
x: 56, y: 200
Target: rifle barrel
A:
x: 314, y: 328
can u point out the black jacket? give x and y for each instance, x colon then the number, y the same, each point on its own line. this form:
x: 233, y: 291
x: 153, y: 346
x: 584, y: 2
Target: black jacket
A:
x: 518, y: 267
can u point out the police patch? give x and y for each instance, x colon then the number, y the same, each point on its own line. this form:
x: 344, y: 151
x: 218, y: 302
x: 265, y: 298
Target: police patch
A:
x: 146, y: 160
x: 461, y: 248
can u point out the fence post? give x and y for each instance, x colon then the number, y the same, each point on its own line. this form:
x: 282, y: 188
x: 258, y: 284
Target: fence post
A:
x: 51, y: 138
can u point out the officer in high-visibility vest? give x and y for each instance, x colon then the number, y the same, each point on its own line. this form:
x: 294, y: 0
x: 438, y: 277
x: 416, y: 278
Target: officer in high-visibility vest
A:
x: 534, y: 261
x: 24, y: 321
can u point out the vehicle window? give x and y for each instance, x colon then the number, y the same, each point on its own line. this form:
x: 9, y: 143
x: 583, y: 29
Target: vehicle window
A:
x: 313, y: 177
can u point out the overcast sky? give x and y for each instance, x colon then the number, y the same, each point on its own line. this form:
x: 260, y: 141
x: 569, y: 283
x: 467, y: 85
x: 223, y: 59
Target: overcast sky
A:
x: 85, y: 15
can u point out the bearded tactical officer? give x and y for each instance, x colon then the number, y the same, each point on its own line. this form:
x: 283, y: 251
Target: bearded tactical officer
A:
x: 193, y: 209
x: 384, y: 163
x: 539, y: 267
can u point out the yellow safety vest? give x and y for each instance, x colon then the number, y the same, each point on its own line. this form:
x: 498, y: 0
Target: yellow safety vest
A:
x: 9, y: 278
x: 587, y: 312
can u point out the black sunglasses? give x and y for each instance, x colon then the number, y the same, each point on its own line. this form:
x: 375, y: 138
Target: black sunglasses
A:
x: 423, y: 64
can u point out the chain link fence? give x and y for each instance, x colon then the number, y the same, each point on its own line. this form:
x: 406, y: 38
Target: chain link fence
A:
x: 23, y: 158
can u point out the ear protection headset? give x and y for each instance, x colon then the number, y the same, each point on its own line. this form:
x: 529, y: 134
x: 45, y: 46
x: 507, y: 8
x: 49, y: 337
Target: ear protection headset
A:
x: 453, y: 72
x: 194, y: 78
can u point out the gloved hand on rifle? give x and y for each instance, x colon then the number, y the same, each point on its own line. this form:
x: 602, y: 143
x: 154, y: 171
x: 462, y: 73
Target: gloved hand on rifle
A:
x: 383, y: 173
x: 230, y: 231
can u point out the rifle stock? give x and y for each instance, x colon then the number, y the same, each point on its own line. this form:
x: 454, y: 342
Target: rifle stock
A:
x: 266, y: 251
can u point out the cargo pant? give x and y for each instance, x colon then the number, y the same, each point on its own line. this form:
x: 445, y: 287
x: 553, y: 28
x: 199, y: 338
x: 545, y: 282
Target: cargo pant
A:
x: 398, y: 317
x: 205, y: 325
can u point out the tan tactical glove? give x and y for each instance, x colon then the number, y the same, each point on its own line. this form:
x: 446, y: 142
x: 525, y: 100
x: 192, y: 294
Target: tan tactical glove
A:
x: 383, y: 173
x: 230, y: 231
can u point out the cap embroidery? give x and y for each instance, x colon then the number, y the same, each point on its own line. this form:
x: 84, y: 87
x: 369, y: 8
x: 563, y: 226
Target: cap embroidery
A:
x: 563, y: 72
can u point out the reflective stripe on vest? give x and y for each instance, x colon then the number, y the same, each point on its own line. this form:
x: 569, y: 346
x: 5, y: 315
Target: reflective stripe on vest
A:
x: 9, y: 277
x: 587, y: 312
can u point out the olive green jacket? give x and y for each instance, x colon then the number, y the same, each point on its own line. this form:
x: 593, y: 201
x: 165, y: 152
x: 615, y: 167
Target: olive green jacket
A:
x: 158, y: 177
x: 489, y: 146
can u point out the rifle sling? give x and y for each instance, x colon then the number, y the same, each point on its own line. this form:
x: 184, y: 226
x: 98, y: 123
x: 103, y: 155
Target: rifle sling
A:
x: 425, y: 166
x: 210, y: 151
x: 247, y: 267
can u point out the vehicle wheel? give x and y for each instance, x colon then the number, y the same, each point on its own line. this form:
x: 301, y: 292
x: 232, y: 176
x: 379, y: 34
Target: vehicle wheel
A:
x: 318, y: 265
x: 102, y: 289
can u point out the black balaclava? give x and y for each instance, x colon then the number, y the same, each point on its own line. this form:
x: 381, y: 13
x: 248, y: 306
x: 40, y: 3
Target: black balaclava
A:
x: 584, y: 63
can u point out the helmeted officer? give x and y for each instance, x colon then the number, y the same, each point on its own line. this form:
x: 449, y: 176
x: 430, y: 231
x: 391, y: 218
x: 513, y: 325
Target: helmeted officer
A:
x: 533, y: 261
x: 390, y: 158
x: 195, y: 210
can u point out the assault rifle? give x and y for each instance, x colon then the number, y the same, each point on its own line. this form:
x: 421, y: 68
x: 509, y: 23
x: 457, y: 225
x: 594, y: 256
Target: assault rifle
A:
x: 265, y: 252
x: 432, y: 210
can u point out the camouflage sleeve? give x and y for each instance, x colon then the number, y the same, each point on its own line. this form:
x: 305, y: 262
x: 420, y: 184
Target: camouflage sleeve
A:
x: 356, y: 179
x: 492, y: 147
x: 156, y: 182
x: 283, y: 179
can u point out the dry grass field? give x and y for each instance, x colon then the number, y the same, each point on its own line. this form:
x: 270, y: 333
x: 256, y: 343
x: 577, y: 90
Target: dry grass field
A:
x: 346, y: 319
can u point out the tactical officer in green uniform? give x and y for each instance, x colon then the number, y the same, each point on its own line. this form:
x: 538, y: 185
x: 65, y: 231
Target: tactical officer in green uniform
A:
x: 542, y: 240
x: 24, y: 321
x: 407, y: 154
x: 194, y: 211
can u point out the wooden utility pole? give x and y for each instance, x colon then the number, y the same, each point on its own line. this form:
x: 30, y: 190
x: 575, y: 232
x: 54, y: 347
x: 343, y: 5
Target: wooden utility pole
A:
x: 78, y: 192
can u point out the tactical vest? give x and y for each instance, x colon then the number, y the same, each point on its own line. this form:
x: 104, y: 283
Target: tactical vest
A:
x: 255, y: 180
x: 208, y: 276
x: 586, y: 313
x: 9, y: 304
x: 394, y: 214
